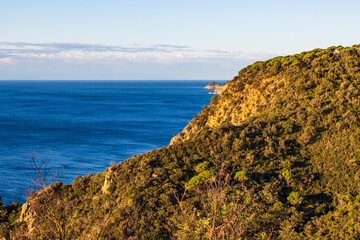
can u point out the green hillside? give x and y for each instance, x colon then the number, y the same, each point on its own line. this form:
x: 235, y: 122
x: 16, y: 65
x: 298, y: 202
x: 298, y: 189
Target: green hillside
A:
x: 275, y: 156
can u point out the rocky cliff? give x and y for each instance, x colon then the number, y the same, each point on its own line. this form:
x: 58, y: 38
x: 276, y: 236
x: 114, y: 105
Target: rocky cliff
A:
x: 275, y: 156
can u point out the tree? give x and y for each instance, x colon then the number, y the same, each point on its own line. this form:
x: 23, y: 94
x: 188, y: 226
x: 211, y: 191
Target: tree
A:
x: 51, y: 210
x: 220, y: 212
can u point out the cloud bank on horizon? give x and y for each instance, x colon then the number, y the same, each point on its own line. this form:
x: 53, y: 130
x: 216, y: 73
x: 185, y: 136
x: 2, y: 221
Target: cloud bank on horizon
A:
x: 20, y: 60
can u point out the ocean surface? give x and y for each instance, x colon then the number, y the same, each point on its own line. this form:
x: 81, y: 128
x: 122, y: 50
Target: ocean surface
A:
x: 83, y: 126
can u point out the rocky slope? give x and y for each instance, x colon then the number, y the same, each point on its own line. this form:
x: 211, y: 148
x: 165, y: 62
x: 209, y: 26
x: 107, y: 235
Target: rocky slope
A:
x: 275, y: 156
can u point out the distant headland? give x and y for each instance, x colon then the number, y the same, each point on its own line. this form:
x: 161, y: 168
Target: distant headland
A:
x: 218, y: 88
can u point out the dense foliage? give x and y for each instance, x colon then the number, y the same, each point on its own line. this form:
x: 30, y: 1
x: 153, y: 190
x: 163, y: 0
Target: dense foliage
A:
x: 8, y: 216
x: 276, y: 156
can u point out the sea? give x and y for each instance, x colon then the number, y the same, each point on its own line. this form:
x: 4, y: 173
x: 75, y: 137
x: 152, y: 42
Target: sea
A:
x: 81, y: 127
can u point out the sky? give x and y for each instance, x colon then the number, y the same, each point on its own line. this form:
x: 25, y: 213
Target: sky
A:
x: 163, y: 39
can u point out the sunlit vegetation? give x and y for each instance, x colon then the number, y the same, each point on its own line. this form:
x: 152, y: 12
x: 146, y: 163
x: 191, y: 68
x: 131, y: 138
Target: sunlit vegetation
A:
x: 276, y: 156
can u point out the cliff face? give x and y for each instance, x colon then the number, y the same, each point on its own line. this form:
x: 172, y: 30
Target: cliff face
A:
x: 233, y: 106
x: 274, y: 156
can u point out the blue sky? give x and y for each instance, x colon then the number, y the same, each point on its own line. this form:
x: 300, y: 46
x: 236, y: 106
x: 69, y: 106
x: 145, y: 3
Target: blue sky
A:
x: 163, y: 39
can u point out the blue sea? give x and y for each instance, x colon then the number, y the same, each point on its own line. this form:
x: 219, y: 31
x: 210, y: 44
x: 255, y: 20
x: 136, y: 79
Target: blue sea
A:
x: 83, y: 126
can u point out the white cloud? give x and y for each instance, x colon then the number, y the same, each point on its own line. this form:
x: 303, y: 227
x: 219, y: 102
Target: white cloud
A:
x: 7, y: 60
x: 20, y: 60
x: 78, y: 51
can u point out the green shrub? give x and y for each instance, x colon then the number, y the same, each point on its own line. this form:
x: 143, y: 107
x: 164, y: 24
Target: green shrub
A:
x: 241, y: 176
x: 295, y: 198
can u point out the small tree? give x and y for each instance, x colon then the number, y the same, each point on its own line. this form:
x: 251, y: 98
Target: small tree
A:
x: 51, y: 211
x: 295, y: 198
x: 220, y: 210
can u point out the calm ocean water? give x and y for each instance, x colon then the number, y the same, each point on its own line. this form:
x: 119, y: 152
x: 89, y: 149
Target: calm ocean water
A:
x: 82, y: 126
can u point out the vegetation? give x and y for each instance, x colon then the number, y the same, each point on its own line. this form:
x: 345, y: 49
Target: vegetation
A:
x: 275, y: 156
x: 8, y: 216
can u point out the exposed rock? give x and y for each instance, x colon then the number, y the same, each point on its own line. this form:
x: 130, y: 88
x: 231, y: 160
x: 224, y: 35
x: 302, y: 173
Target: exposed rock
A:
x: 219, y: 90
x: 212, y: 86
x: 108, y: 180
x: 27, y: 215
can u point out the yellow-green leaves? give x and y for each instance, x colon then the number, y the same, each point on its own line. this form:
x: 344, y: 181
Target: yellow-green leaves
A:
x: 295, y: 198
x: 199, y: 179
x: 241, y: 176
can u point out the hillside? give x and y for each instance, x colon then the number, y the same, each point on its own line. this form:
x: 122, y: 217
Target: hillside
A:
x: 275, y: 156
